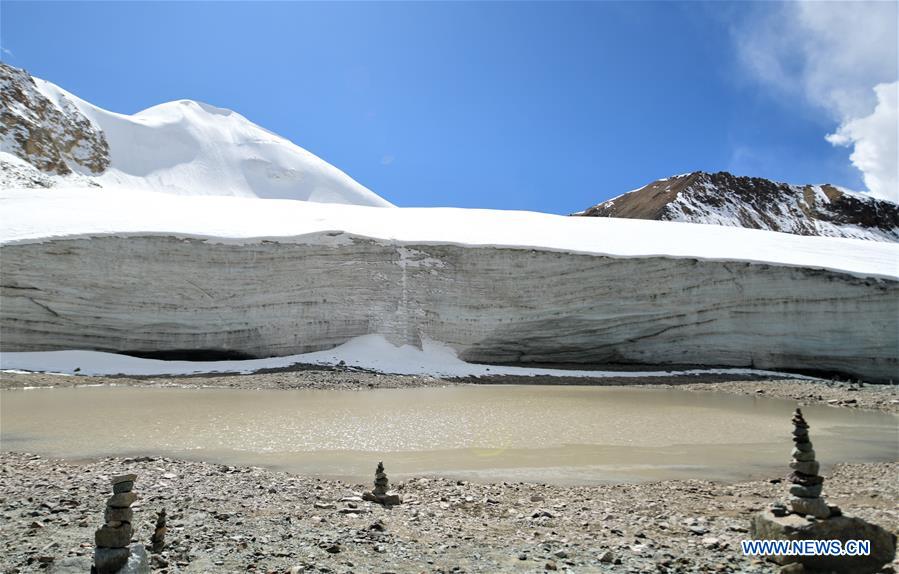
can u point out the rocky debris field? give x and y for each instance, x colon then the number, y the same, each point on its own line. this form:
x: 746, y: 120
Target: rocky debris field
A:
x: 839, y: 394
x: 233, y: 519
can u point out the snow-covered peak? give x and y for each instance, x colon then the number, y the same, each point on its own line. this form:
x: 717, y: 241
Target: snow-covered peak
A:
x: 735, y: 201
x: 187, y: 148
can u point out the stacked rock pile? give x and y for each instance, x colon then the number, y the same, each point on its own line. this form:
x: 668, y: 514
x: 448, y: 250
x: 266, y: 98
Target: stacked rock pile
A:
x: 810, y: 518
x: 157, y: 541
x: 806, y: 483
x: 112, y: 540
x: 380, y: 493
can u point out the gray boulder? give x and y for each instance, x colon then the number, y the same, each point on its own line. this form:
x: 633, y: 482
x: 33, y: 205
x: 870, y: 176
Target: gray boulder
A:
x: 110, y: 560
x: 766, y: 526
x: 138, y: 562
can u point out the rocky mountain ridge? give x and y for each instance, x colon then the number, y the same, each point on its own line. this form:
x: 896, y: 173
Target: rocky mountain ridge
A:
x: 726, y: 199
x: 53, y: 137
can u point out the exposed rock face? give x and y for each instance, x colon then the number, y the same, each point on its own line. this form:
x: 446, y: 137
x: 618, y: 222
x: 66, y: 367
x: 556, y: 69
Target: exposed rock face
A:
x: 154, y: 294
x: 725, y: 199
x: 54, y: 137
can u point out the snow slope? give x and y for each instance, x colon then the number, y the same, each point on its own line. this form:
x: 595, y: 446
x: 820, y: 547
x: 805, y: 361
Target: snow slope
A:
x: 182, y: 147
x: 34, y: 215
x: 371, y: 352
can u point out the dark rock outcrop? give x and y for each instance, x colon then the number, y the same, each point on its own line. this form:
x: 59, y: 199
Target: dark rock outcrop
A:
x: 54, y: 137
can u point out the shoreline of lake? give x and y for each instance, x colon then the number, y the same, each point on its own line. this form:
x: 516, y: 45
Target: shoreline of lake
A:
x: 884, y: 398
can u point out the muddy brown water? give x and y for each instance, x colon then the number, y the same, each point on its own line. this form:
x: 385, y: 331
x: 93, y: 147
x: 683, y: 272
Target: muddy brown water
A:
x: 563, y: 435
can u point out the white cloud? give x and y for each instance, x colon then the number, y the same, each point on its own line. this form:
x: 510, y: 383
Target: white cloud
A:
x: 832, y: 55
x: 387, y: 159
x: 874, y: 139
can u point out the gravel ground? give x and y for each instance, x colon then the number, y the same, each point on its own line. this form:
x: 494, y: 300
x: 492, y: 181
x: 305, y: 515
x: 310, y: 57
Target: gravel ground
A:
x: 234, y: 519
x: 872, y: 397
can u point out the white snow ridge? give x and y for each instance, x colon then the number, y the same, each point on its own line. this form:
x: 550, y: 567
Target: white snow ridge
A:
x: 188, y: 148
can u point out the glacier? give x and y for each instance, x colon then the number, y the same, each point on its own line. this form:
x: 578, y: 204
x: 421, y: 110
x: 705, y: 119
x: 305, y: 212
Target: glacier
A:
x: 154, y: 273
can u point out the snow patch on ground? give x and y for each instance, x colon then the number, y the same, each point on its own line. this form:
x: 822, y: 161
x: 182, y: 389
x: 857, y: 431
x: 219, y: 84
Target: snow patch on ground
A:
x: 372, y: 352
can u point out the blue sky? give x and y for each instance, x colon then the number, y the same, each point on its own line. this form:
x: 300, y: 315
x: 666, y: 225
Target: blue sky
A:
x: 550, y: 106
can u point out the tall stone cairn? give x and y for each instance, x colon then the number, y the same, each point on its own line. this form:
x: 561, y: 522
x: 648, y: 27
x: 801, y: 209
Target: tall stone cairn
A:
x: 806, y: 483
x: 380, y: 493
x: 112, y: 540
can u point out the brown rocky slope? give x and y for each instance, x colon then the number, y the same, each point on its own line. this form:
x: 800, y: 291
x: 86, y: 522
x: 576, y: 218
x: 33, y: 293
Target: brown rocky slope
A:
x: 735, y: 201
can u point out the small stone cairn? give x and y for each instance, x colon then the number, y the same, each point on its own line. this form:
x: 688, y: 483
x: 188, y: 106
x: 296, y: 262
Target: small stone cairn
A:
x: 806, y: 483
x: 157, y: 541
x: 113, y: 538
x: 380, y: 493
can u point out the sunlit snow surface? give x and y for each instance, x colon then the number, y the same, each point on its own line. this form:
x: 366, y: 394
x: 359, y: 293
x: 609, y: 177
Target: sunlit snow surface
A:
x: 191, y: 148
x: 36, y: 215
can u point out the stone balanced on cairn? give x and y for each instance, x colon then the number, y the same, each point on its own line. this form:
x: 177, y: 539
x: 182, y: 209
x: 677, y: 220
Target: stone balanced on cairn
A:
x: 112, y: 539
x: 805, y: 490
x: 380, y: 493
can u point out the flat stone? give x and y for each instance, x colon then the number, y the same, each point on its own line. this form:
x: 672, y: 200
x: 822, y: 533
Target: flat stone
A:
x: 125, y: 486
x: 108, y: 536
x: 71, y: 565
x: 123, y: 478
x: 808, y: 467
x: 805, y: 479
x: 810, y: 506
x: 803, y: 455
x: 118, y: 515
x: 121, y: 500
x: 110, y: 560
x: 779, y: 510
x: 766, y: 526
x: 803, y: 446
x: 806, y: 491
x: 389, y: 499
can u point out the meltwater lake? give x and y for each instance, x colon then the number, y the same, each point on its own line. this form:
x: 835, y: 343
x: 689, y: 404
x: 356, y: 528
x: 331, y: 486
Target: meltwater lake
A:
x: 552, y: 434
